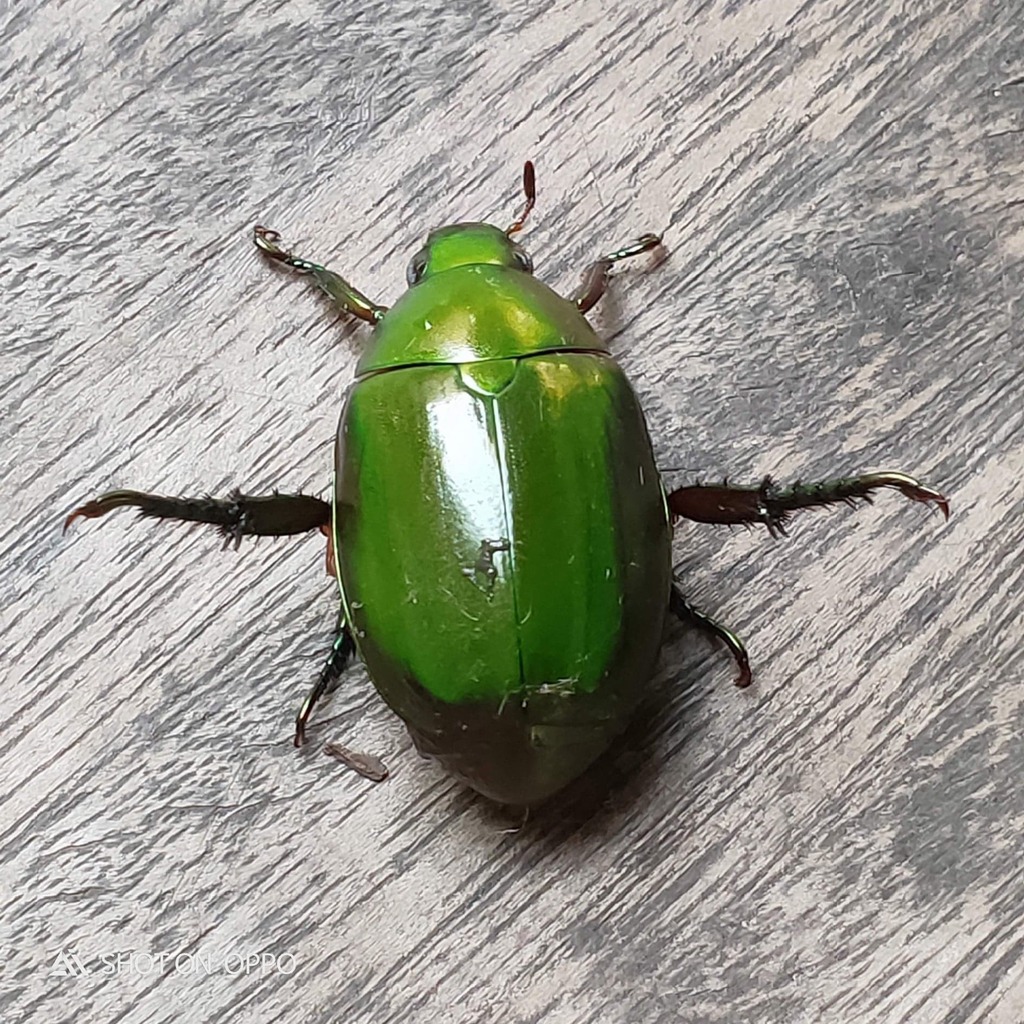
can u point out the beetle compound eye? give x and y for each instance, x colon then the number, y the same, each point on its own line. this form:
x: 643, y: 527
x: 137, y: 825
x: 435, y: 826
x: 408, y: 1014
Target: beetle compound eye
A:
x: 523, y: 260
x: 417, y: 265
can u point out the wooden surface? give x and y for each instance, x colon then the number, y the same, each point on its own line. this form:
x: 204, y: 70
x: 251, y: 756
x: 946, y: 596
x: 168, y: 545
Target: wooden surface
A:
x: 840, y: 187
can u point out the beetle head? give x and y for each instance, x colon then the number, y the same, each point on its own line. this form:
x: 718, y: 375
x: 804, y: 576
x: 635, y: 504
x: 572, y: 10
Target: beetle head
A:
x: 460, y: 245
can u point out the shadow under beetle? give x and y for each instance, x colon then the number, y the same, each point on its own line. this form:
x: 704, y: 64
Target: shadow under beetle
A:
x: 499, y: 531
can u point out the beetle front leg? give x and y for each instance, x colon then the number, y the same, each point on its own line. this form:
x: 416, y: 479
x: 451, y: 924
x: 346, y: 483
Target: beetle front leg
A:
x: 772, y: 505
x: 240, y: 515
x: 686, y: 612
x: 348, y: 298
x: 595, y: 277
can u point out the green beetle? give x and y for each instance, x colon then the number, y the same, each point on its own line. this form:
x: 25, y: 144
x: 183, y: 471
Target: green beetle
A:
x: 499, y: 531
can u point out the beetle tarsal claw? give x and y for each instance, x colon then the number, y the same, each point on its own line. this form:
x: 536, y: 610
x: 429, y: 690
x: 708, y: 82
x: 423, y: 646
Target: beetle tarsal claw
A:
x: 929, y: 497
x: 266, y: 238
x: 107, y: 503
x: 86, y: 511
x: 907, y: 486
x: 267, y: 241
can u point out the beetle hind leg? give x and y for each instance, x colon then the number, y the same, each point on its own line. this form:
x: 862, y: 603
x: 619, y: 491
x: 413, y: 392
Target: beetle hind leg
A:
x: 239, y: 515
x: 686, y: 612
x: 771, y: 505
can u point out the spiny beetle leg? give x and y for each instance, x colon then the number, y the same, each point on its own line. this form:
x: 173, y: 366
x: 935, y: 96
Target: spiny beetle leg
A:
x: 595, y: 277
x: 240, y: 515
x: 340, y: 291
x: 341, y: 653
x: 686, y: 612
x: 772, y: 505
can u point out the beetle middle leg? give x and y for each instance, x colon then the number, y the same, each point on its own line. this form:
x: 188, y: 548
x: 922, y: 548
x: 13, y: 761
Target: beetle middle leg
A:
x: 686, y: 612
x: 771, y: 505
x: 239, y: 515
x: 595, y: 277
x: 348, y: 298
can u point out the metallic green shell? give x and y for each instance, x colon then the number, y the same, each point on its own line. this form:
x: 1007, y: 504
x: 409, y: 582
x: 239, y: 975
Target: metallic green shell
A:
x: 472, y: 313
x: 503, y: 549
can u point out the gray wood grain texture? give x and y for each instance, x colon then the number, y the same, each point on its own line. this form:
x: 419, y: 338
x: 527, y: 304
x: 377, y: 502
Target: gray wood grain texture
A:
x: 840, y: 185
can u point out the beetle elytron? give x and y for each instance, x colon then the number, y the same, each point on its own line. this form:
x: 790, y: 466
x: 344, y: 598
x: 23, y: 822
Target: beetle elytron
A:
x: 499, y: 530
